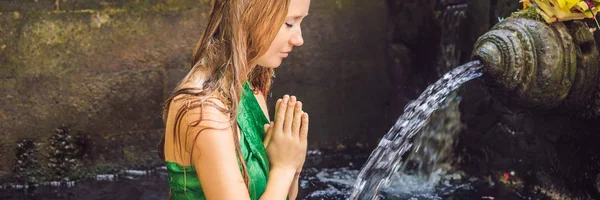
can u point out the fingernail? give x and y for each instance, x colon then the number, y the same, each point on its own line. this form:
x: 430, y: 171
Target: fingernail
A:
x: 293, y: 99
x: 298, y: 104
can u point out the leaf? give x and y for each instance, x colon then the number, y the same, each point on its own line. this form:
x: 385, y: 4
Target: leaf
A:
x: 571, y: 3
x: 561, y: 3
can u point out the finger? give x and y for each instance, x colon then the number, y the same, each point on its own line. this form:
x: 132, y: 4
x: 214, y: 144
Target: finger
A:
x: 266, y: 140
x: 297, y: 118
x: 304, y: 128
x: 289, y: 115
x: 280, y: 115
x: 267, y: 134
x: 277, y: 105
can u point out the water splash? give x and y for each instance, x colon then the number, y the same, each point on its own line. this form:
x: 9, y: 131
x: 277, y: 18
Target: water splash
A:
x: 385, y: 160
x: 426, y: 168
x: 429, y: 163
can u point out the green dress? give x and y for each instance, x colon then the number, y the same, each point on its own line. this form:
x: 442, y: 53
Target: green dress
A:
x: 183, y: 180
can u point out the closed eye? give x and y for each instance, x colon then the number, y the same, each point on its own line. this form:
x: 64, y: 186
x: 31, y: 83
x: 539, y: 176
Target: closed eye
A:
x: 289, y: 25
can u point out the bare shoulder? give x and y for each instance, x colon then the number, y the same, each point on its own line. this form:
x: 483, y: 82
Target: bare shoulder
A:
x: 198, y: 121
x: 210, y: 112
x: 207, y: 112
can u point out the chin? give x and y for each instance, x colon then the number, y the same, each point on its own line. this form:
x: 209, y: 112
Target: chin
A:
x: 273, y: 64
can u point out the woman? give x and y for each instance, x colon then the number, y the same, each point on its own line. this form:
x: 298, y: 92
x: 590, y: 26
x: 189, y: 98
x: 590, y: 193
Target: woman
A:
x: 218, y: 141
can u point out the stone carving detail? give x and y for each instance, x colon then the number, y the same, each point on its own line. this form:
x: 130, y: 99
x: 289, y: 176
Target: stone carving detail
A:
x: 537, y: 65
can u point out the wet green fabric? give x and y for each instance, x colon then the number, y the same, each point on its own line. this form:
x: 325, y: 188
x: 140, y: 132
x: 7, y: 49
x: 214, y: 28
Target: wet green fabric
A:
x: 183, y: 180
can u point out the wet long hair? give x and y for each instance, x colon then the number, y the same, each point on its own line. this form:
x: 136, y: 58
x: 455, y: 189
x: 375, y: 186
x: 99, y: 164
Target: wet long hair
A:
x: 238, y: 32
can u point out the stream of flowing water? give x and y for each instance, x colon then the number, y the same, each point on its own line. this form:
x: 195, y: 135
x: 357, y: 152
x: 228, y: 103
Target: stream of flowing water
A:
x: 388, y: 156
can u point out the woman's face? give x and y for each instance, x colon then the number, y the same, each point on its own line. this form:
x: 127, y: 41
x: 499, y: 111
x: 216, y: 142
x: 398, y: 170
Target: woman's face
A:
x: 289, y: 35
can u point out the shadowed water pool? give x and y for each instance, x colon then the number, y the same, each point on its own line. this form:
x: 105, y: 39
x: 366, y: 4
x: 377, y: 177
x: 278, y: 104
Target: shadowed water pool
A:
x: 328, y: 174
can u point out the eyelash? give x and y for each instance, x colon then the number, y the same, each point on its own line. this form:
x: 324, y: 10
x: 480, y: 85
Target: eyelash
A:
x: 288, y: 25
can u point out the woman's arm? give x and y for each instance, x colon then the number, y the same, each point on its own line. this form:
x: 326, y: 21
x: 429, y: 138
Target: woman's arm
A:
x: 293, y: 191
x: 214, y: 157
x: 278, y: 184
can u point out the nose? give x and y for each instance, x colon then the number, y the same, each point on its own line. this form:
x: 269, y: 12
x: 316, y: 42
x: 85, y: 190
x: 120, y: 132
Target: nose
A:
x: 297, y: 39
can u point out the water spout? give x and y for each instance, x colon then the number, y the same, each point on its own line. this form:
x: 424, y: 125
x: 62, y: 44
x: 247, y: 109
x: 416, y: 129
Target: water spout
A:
x: 538, y: 65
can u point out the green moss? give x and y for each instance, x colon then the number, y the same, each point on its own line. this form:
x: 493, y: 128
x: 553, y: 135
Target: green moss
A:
x: 172, y: 5
x: 58, y: 44
x: 107, y: 168
x: 529, y: 13
x: 80, y: 173
x: 7, y: 83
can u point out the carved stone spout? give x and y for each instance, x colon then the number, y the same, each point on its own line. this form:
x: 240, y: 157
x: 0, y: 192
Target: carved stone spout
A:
x: 540, y: 65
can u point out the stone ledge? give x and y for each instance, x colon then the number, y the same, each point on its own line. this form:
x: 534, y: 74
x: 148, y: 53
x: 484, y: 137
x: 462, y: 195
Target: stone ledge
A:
x: 78, y: 5
x: 27, y: 5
